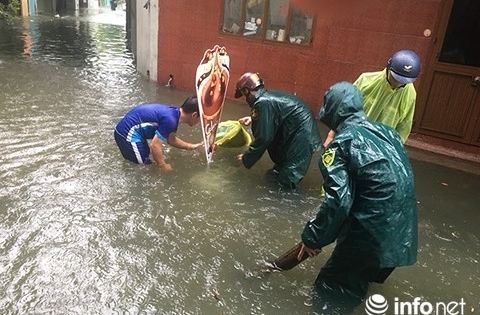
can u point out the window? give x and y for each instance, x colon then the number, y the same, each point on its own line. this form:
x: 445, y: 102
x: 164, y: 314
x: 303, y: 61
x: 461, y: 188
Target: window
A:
x: 461, y: 45
x: 284, y: 23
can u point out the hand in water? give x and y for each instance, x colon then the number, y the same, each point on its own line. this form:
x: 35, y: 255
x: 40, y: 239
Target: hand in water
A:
x: 239, y: 158
x: 310, y: 252
x: 166, y: 167
x: 195, y: 146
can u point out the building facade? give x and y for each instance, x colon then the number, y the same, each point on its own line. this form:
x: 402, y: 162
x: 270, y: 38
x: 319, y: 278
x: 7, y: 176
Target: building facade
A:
x: 304, y: 46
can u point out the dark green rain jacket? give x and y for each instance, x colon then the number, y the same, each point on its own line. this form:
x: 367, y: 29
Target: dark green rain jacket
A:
x: 370, y: 203
x: 285, y: 126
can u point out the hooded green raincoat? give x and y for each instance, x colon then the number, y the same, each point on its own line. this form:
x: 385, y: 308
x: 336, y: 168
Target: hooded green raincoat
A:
x: 283, y: 125
x: 370, y: 204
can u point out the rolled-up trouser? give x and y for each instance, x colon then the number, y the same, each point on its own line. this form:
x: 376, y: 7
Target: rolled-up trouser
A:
x: 137, y: 152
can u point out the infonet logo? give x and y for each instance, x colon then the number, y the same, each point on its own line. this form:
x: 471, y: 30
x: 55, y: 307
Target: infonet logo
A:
x: 377, y: 304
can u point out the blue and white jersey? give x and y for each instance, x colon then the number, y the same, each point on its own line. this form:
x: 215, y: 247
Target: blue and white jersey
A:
x: 146, y: 120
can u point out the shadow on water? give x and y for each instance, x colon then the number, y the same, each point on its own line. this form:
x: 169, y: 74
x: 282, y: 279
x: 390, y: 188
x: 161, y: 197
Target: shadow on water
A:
x: 84, y: 232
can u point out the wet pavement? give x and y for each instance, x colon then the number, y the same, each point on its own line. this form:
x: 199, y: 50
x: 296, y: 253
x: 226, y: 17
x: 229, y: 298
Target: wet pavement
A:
x: 469, y: 165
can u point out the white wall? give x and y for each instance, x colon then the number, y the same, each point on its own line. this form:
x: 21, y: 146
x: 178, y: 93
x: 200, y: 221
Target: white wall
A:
x: 147, y: 38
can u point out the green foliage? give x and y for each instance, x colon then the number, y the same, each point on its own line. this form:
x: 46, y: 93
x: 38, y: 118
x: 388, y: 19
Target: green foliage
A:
x: 9, y: 10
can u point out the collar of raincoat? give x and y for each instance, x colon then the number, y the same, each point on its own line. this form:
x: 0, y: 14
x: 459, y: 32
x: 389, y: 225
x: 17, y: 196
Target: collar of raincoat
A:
x: 342, y: 105
x: 252, y: 98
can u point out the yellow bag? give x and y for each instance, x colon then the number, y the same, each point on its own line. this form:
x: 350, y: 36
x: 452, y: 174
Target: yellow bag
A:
x: 231, y: 134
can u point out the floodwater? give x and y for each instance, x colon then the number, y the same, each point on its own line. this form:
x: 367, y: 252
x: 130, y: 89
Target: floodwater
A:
x: 82, y: 231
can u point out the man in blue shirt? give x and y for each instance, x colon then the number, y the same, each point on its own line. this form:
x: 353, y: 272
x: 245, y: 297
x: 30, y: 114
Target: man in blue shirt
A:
x: 159, y: 123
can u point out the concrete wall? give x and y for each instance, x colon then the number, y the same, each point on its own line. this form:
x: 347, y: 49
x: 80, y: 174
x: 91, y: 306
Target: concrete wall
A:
x: 146, y: 37
x: 348, y: 40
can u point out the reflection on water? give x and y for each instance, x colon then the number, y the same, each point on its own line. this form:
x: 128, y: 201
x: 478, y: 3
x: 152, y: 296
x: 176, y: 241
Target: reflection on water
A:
x: 82, y: 231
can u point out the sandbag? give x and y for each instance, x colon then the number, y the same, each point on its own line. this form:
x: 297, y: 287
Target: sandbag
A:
x: 231, y: 134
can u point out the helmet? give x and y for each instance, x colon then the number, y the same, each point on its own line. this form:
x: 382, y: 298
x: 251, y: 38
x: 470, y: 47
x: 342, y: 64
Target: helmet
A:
x: 404, y: 66
x: 248, y: 80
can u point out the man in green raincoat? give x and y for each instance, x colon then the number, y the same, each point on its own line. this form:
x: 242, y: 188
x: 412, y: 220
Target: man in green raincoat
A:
x: 283, y: 125
x: 370, y: 204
